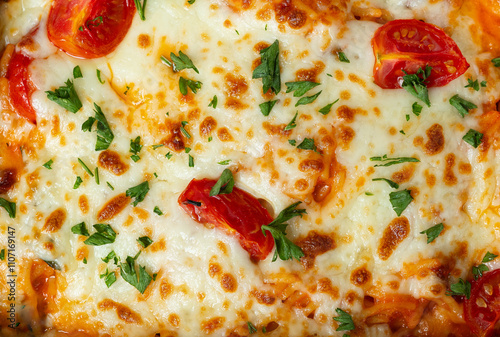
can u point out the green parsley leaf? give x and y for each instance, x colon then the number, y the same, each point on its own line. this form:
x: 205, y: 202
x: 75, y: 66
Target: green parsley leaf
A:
x: 496, y: 61
x: 285, y: 248
x: 78, y: 182
x: 462, y: 105
x: 48, y: 164
x: 292, y: 142
x: 111, y: 255
x: 99, y: 76
x: 393, y: 161
x: 191, y: 161
x: 416, y: 85
x: 110, y: 186
x: 66, y: 97
x: 472, y: 84
x: 307, y: 100
x: 368, y: 193
x: 84, y: 260
x: 145, y: 241
x: 345, y: 320
x: 85, y: 167
x: 251, y: 328
x: 266, y: 107
x: 104, y: 134
x: 10, y: 207
x: 80, y: 229
x: 433, y: 232
x: 187, y: 149
x: 326, y: 109
x: 402, y: 132
x: 109, y: 277
x: 167, y: 62
x: 489, y: 257
x: 473, y: 137
x: 182, y: 62
x: 135, y: 145
x: 224, y: 185
x: 105, y: 235
x: 87, y: 125
x: 461, y: 288
x: 416, y: 109
x: 390, y: 182
x: 400, y: 200
x: 169, y: 155
x: 138, y: 192
x: 191, y: 2
x: 483, y: 84
x: 139, y: 281
x: 213, y: 102
x: 342, y: 57
x: 157, y: 146
x: 307, y: 144
x: 269, y: 68
x: 158, y: 211
x: 292, y: 124
x: 184, y: 84
x: 2, y: 254
x: 140, y: 10
x: 300, y: 87
x: 478, y: 271
x: 224, y: 162
x: 407, y: 117
x: 77, y: 72
x: 96, y: 175
x: 184, y: 131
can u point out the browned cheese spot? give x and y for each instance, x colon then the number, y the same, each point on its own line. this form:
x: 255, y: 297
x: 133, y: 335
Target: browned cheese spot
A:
x: 113, y: 207
x: 310, y: 74
x: 174, y: 320
x: 360, y: 276
x: 207, y: 126
x: 394, y: 234
x: 264, y: 297
x: 165, y: 288
x: 174, y: 140
x: 112, y: 162
x: 301, y: 185
x: 54, y: 221
x: 212, y: 324
x: 347, y: 114
x: 346, y: 135
x: 8, y: 178
x: 435, y: 144
x: 143, y: 41
x: 356, y: 79
x: 224, y: 135
x: 229, y: 283
x: 312, y: 245
x: 214, y: 269
x: 465, y: 168
x: 124, y: 313
x: 287, y: 12
x: 308, y: 165
x: 404, y: 175
x: 235, y: 85
x: 449, y: 177
x: 56, y: 128
x: 430, y: 178
x: 276, y: 129
x: 325, y: 286
x: 83, y: 203
x: 82, y: 253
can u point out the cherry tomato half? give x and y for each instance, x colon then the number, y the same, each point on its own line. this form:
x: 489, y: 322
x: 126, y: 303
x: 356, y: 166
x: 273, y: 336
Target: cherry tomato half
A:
x: 238, y: 214
x: 20, y: 85
x: 482, y: 310
x: 411, y: 44
x: 89, y: 28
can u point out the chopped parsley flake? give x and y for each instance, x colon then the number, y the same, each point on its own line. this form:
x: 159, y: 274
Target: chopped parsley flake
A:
x: 169, y: 155
x: 2, y: 254
x: 496, y: 61
x: 48, y: 165
x: 224, y: 162
x: 87, y: 125
x: 416, y: 85
x: 345, y: 320
x: 400, y: 200
x: 251, y: 328
x: 66, y: 97
x: 213, y: 102
x: 109, y: 277
x: 191, y: 161
x: 139, y: 281
x: 390, y: 182
x: 224, y: 185
x: 266, y: 107
x: 184, y: 84
x: 308, y: 99
x: 292, y: 123
x: 461, y: 288
x: 145, y: 241
x: 433, y: 232
x: 269, y: 68
x: 473, y: 138
x: 299, y: 88
x: 416, y: 109
x: 292, y: 142
x: 393, y: 161
x: 463, y: 106
x: 104, y: 235
x: 138, y: 192
x: 78, y: 182
x: 80, y: 229
x: 135, y: 148
x: 99, y: 76
x: 158, y: 211
x: 182, y: 62
x: 104, y: 134
x: 77, y: 72
x: 326, y: 109
x: 342, y: 57
x: 307, y: 144
x: 473, y: 84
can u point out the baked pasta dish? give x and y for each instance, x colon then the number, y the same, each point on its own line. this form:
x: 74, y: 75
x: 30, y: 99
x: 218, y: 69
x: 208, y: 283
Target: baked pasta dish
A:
x: 249, y: 168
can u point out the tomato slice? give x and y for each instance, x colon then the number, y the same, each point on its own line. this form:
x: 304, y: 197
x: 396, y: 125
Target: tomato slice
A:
x: 412, y: 44
x: 482, y: 310
x: 238, y: 214
x: 89, y: 28
x: 20, y: 85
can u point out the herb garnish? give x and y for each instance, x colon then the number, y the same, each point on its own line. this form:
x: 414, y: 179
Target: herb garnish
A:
x: 496, y: 61
x: 308, y: 99
x: 48, y: 165
x: 99, y: 76
x: 104, y: 235
x: 104, y: 134
x: 139, y: 281
x: 307, y: 144
x: 2, y: 254
x: 78, y: 181
x: 181, y: 62
x: 184, y: 84
x: 138, y: 192
x: 400, y: 200
x: 299, y: 88
x: 158, y: 211
x: 461, y: 288
x: 266, y: 107
x: 10, y: 207
x: 477, y: 271
x: 390, y: 182
x: 393, y: 161
x: 342, y: 57
x: 326, y: 109
x: 184, y: 131
x: 416, y: 85
x: 345, y: 320
x: 285, y: 248
x: 109, y: 277
x: 85, y: 167
x: 145, y: 241
x: 463, y: 106
x: 77, y: 72
x: 416, y: 109
x: 269, y: 69
x: 140, y: 8
x: 473, y: 137
x: 135, y: 148
x: 292, y: 123
x: 224, y: 185
x: 224, y: 162
x: 433, y: 232
x: 66, y: 97
x: 213, y: 102
x: 80, y: 229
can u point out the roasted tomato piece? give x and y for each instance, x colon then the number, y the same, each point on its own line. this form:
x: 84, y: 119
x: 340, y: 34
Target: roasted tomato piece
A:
x: 89, y: 28
x: 482, y: 310
x: 20, y: 85
x: 412, y: 44
x: 238, y: 214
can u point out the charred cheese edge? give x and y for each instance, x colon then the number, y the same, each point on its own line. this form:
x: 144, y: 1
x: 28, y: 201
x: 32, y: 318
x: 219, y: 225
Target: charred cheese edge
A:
x: 360, y: 256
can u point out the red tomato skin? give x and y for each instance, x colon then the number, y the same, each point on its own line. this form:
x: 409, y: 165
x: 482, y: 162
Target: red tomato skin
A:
x: 20, y: 85
x: 427, y: 45
x: 89, y: 28
x: 481, y: 319
x: 238, y: 214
